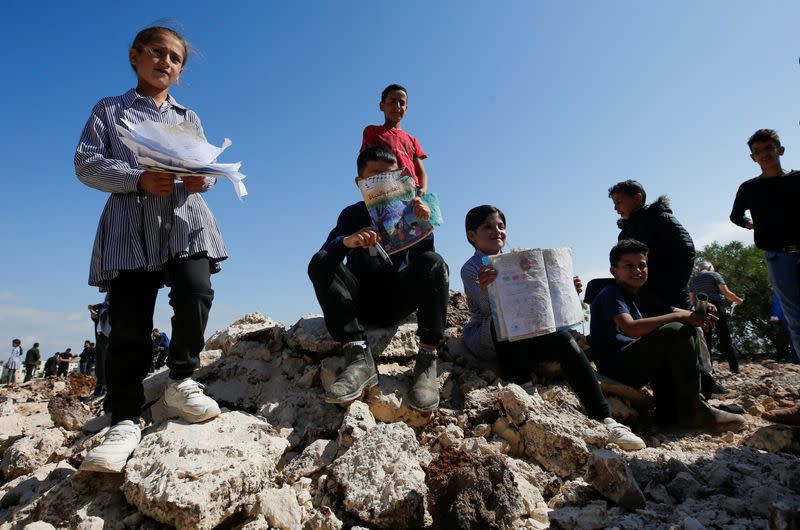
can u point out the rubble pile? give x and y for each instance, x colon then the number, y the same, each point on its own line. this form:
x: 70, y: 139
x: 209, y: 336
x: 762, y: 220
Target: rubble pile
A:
x: 495, y: 455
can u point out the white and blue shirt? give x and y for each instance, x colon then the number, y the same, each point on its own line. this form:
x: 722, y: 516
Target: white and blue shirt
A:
x: 138, y: 230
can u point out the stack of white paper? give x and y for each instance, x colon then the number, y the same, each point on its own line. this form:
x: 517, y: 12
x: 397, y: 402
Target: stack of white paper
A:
x: 179, y: 149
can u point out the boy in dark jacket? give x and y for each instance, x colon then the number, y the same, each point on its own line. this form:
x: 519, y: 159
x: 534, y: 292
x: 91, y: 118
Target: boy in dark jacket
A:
x: 671, y: 257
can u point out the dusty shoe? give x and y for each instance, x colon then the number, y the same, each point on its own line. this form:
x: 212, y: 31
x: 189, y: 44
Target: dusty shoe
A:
x: 787, y: 416
x: 111, y: 455
x: 359, y: 374
x: 186, y: 399
x: 622, y: 435
x: 707, y: 417
x: 424, y: 394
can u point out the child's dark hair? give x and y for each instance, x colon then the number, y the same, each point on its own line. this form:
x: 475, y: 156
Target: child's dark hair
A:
x: 628, y: 187
x: 144, y: 37
x: 476, y: 216
x: 376, y: 153
x: 626, y: 246
x: 392, y: 88
x: 764, y: 135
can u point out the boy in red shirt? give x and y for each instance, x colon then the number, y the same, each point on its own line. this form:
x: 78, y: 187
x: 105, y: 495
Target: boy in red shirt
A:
x: 394, y: 103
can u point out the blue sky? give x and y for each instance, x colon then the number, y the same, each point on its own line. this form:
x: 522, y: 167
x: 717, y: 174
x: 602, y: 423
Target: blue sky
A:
x: 534, y: 107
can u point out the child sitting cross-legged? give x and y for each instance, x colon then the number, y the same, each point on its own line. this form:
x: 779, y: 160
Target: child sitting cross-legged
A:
x: 486, y: 232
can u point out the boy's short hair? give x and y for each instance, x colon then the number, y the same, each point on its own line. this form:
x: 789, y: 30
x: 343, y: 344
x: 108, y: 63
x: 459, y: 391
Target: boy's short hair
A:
x: 392, y: 88
x: 626, y: 246
x: 630, y: 188
x: 477, y: 215
x: 376, y: 153
x: 764, y: 135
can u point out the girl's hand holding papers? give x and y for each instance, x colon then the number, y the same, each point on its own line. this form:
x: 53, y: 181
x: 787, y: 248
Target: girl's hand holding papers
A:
x: 157, y: 182
x: 486, y: 275
x: 193, y: 183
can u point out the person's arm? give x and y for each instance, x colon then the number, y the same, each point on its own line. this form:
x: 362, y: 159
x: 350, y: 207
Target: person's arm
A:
x: 691, y: 298
x: 93, y: 163
x: 635, y: 328
x: 740, y: 205
x: 727, y: 293
x: 422, y: 175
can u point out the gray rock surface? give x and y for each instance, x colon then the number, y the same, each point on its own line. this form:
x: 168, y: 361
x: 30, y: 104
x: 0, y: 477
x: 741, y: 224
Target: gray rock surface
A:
x: 314, y: 457
x: 69, y: 412
x: 609, y: 474
x: 195, y: 476
x: 381, y: 478
x: 557, y: 438
x: 31, y: 452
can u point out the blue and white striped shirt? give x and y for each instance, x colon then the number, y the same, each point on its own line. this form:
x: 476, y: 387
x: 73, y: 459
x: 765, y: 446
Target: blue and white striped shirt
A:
x: 138, y: 230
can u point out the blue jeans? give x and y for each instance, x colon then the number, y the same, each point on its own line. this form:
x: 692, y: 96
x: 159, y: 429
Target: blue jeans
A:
x: 784, y: 272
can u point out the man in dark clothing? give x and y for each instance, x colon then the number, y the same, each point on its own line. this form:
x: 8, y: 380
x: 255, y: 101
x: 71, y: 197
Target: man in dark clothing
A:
x: 102, y: 328
x: 160, y: 349
x: 671, y: 257
x: 87, y: 359
x: 379, y: 290
x: 51, y: 366
x: 32, y: 359
x: 63, y: 362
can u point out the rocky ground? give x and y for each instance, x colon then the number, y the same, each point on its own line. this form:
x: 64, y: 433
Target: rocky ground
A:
x: 495, y: 455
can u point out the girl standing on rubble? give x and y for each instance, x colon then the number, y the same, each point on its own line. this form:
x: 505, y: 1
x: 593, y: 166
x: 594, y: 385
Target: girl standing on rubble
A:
x: 155, y: 230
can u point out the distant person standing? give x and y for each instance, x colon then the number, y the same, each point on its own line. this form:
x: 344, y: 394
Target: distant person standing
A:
x: 771, y: 199
x: 160, y: 349
x: 87, y: 358
x: 32, y: 360
x: 64, y: 359
x: 14, y: 360
x: 712, y: 284
x: 102, y: 329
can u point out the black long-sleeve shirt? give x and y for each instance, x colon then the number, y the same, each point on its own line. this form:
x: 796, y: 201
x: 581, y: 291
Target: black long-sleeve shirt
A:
x: 774, y: 204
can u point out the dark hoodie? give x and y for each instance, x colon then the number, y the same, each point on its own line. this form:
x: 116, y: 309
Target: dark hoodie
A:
x: 671, y: 257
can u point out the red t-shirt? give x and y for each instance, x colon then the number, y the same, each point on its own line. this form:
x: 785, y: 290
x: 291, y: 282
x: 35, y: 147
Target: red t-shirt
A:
x: 405, y: 147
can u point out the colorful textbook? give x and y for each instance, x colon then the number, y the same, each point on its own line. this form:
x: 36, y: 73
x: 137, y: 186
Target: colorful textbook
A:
x: 389, y: 197
x: 534, y: 293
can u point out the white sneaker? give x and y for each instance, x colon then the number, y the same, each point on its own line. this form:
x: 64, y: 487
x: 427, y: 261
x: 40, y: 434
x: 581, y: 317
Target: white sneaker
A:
x: 111, y: 455
x: 622, y: 435
x: 186, y: 399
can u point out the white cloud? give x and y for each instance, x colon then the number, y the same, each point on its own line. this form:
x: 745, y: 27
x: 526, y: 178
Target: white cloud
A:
x: 723, y: 232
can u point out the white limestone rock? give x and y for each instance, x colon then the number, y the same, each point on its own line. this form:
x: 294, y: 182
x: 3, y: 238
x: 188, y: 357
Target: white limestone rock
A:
x: 381, y: 479
x: 22, y: 496
x: 590, y: 517
x: 11, y: 425
x: 323, y: 519
x: 279, y: 508
x: 251, y: 327
x: 316, y: 456
x: 310, y: 334
x: 195, y: 476
x: 357, y: 421
x: 30, y: 452
x: 557, y: 437
x: 611, y: 477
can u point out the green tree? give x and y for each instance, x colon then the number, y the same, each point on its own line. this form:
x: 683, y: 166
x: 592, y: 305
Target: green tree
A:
x: 745, y: 273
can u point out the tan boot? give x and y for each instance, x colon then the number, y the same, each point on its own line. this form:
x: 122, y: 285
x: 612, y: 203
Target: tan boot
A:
x: 709, y: 418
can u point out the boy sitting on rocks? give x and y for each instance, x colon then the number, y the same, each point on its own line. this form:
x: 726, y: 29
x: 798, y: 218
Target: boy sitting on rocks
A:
x: 369, y: 289
x: 638, y: 339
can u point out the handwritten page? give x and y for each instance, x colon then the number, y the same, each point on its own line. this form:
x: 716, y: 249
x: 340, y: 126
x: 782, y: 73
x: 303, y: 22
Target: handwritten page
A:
x: 534, y: 293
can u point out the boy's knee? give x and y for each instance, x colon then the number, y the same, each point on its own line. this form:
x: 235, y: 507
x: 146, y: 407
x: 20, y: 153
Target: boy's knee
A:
x: 317, y: 265
x: 430, y: 264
